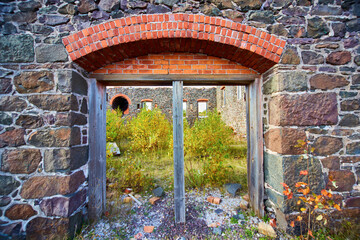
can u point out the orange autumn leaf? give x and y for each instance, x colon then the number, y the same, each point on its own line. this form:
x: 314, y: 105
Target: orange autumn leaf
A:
x: 292, y: 224
x: 285, y: 185
x: 299, y: 184
x: 337, y: 207
x: 304, y: 172
x: 310, y: 233
x: 324, y: 192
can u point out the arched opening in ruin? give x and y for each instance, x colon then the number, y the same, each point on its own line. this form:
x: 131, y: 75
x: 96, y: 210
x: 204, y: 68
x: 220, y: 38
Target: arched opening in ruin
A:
x: 122, y: 102
x: 125, y: 39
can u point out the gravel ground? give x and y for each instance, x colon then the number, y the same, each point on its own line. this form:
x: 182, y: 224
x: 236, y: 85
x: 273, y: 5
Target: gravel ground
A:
x: 227, y: 221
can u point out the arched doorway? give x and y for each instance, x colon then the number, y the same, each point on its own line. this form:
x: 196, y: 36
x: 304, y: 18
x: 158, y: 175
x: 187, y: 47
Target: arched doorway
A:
x: 123, y: 40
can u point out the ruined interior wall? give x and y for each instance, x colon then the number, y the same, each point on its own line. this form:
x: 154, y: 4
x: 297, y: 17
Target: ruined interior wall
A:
x: 162, y: 98
x: 233, y: 109
x: 42, y: 112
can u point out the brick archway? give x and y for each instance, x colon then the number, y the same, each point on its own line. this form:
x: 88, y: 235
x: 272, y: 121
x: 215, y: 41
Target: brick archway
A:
x: 113, y: 41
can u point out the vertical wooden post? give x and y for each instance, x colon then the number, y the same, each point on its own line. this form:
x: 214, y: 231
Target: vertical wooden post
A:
x: 97, y: 149
x: 178, y: 134
x: 255, y: 146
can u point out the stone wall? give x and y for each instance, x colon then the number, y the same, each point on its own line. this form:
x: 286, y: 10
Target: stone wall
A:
x: 162, y: 98
x: 313, y: 93
x: 233, y: 108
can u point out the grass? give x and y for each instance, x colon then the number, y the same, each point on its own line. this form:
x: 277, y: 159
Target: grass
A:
x: 142, y: 172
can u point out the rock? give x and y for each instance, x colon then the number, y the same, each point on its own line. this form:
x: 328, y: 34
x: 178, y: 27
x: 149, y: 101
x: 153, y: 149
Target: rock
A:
x: 219, y: 211
x: 63, y: 206
x: 351, y: 42
x: 151, y: 9
x: 87, y: 6
x: 20, y: 161
x: 20, y: 211
x: 148, y: 229
x: 30, y: 6
x: 41, y: 29
x: 246, y: 197
x: 154, y: 200
x: 16, y: 48
x: 278, y: 169
x: 232, y: 188
x: 262, y: 16
x: 59, y: 160
x: 286, y: 81
x: 233, y: 15
x: 327, y: 45
x: 294, y: 11
x: 353, y: 148
x: 278, y: 29
x: 5, y: 118
x: 70, y: 119
x: 8, y: 184
x: 4, y: 201
x: 339, y: 58
x: 357, y: 60
x: 344, y: 179
x: 51, y: 53
x: 29, y: 121
x: 247, y: 5
x: 353, y: 25
x: 84, y: 106
x: 350, y: 105
x: 44, y: 186
x: 12, y: 103
x: 244, y: 205
x: 342, y: 132
x: 331, y: 163
x: 350, y: 120
x: 353, y: 202
x: 339, y: 29
x: 13, y: 231
x: 57, y: 228
x: 71, y: 81
x: 169, y: 3
x: 127, y: 200
x: 68, y: 9
x: 210, y: 10
x: 267, y: 230
x: 327, y: 82
x: 158, y: 192
x: 100, y: 15
x: 312, y: 58
x: 317, y: 27
x: 12, y: 138
x: 356, y: 79
x: 284, y: 140
x: 303, y: 110
x: 322, y: 10
x: 5, y: 85
x: 60, y: 137
x: 297, y: 32
x: 8, y: 28
x: 53, y: 20
x: 288, y: 20
x: 54, y: 102
x: 345, y: 94
x: 327, y: 145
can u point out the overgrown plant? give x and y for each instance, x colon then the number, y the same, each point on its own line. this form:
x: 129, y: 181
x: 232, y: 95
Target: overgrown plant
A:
x: 116, y: 128
x: 313, y: 206
x: 150, y: 131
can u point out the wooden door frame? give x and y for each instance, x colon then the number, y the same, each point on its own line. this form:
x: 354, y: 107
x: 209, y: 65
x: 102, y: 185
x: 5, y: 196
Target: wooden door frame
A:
x: 97, y: 128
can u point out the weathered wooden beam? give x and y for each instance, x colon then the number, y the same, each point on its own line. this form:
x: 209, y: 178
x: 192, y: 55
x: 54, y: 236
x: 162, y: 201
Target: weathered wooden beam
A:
x: 178, y: 135
x: 97, y: 149
x: 255, y: 147
x: 167, y: 79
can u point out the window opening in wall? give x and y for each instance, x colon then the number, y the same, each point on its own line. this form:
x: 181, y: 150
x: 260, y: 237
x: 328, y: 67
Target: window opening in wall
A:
x: 184, y: 108
x: 147, y: 103
x: 202, y: 108
x: 120, y: 103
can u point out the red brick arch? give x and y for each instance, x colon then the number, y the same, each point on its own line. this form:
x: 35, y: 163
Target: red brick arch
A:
x: 116, y: 40
x: 123, y: 96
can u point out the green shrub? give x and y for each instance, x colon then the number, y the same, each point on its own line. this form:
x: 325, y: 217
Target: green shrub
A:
x: 208, y: 136
x: 116, y: 129
x: 150, y: 131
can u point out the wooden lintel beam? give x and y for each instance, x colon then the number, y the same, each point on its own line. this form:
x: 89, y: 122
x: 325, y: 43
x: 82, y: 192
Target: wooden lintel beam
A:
x: 167, y: 79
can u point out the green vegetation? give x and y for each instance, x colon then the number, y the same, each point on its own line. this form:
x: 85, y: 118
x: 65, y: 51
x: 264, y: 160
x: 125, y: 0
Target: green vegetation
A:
x: 213, y: 156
